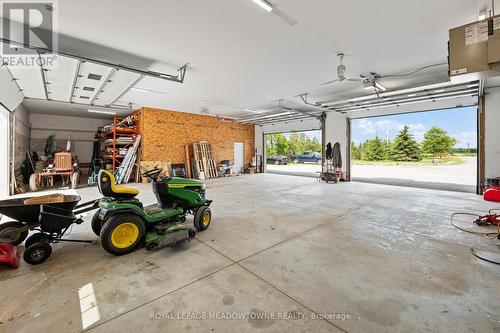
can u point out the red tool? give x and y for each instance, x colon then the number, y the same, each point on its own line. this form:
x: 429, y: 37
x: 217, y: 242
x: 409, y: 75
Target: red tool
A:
x: 8, y: 255
x: 490, y: 219
x: 492, y: 193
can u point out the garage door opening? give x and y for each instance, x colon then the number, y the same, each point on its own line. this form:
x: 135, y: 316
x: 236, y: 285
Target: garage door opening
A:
x: 434, y: 149
x: 295, y: 153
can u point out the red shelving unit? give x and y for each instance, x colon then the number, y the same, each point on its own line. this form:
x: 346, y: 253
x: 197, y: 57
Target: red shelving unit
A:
x: 117, y: 132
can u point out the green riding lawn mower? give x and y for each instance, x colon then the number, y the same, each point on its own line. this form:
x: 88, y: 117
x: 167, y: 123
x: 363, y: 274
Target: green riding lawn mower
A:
x: 123, y: 223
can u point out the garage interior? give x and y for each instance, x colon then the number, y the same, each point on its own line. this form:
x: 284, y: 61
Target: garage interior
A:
x: 175, y: 108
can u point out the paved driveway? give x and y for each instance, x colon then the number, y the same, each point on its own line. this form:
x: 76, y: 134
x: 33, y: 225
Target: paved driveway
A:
x: 446, y: 177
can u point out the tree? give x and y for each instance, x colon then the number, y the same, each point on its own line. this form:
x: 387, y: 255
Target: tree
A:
x: 375, y: 149
x: 312, y: 145
x: 437, y: 142
x: 356, y: 151
x: 297, y: 143
x: 276, y: 144
x: 405, y: 148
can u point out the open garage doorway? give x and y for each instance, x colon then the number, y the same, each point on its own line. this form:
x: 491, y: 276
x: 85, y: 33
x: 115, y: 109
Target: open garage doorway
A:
x: 295, y: 153
x: 433, y: 149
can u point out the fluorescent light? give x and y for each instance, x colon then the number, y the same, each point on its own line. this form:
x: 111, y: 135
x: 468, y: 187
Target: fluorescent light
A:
x: 412, y: 95
x: 254, y: 111
x: 104, y: 112
x: 439, y: 91
x: 472, y: 86
x: 140, y: 89
x: 264, y: 4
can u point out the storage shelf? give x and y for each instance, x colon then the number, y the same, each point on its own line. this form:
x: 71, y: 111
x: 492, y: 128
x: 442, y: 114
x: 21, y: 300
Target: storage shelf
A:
x: 113, y: 134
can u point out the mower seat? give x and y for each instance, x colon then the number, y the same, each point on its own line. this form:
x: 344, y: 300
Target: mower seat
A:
x: 108, y: 188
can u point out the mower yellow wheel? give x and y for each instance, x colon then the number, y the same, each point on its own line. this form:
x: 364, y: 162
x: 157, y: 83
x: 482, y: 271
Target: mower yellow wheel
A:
x: 202, y: 218
x: 206, y: 218
x: 124, y: 235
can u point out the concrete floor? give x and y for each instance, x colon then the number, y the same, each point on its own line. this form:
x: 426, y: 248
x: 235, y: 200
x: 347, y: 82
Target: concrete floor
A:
x: 375, y: 258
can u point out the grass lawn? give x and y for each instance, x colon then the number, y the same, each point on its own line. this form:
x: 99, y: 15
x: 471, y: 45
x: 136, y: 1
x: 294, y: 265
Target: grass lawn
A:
x: 427, y: 160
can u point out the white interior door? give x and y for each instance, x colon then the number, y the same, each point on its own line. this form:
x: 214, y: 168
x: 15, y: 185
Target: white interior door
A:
x: 239, y: 156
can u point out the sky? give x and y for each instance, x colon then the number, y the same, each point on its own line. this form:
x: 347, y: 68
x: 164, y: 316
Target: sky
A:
x: 460, y: 123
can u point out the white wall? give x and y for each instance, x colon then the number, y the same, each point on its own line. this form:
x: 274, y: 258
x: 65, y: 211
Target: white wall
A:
x: 492, y: 133
x: 81, y: 130
x: 336, y: 131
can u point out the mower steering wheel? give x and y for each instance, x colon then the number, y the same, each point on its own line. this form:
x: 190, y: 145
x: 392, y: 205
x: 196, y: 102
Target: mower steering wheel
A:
x: 152, y: 174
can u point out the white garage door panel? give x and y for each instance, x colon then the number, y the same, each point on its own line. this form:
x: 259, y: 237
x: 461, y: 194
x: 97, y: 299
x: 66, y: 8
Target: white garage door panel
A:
x: 4, y: 152
x: 85, y: 96
x: 30, y: 80
x: 61, y: 77
x: 422, y: 106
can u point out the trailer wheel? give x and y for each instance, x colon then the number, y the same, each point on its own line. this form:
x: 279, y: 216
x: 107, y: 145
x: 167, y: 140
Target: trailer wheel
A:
x: 121, y: 234
x: 9, y: 233
x: 75, y: 179
x: 34, y: 182
x: 96, y: 223
x: 38, y: 237
x: 202, y: 218
x: 37, y: 253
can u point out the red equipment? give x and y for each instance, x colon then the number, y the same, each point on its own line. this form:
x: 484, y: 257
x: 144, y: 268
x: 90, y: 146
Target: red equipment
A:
x: 8, y: 255
x: 492, y: 193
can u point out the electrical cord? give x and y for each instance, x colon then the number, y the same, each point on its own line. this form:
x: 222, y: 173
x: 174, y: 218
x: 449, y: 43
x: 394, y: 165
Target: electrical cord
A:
x: 492, y: 237
x: 415, y: 71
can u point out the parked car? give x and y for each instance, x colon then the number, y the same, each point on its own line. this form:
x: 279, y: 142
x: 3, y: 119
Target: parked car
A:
x: 278, y: 160
x: 308, y: 156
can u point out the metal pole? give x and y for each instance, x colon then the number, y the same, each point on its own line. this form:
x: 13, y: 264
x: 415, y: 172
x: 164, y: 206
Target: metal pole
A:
x: 127, y: 90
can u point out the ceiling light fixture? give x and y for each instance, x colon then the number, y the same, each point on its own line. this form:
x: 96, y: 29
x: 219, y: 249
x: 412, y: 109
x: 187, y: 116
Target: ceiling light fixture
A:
x: 439, y: 91
x: 103, y: 112
x: 412, y: 95
x: 264, y: 5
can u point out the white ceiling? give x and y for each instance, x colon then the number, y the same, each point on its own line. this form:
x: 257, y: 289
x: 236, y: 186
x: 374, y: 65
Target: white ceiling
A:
x: 240, y: 56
